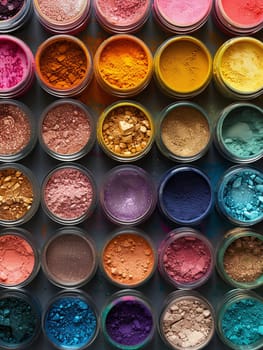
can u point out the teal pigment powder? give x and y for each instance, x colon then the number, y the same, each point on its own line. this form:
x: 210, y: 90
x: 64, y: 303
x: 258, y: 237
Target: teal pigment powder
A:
x: 242, y: 323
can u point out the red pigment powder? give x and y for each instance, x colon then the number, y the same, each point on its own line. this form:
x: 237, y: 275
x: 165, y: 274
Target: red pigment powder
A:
x: 187, y: 259
x: 244, y: 12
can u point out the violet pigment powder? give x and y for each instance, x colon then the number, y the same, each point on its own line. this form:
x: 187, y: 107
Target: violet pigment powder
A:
x: 9, y: 8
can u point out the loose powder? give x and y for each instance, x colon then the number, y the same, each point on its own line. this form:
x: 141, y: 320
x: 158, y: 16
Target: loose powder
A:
x: 15, y: 129
x: 187, y: 323
x: 61, y: 11
x: 243, y: 260
x: 9, y: 8
x: 68, y: 193
x: 244, y: 12
x: 128, y: 259
x: 66, y: 129
x: 185, y: 131
x: 16, y: 194
x: 17, y: 260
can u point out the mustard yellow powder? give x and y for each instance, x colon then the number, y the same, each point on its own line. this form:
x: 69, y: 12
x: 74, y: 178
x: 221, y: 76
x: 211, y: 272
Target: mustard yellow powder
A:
x: 242, y: 67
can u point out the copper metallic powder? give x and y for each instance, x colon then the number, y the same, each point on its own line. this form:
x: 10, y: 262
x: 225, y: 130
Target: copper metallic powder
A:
x: 243, y: 259
x: 185, y: 131
x: 128, y: 259
x: 15, y: 130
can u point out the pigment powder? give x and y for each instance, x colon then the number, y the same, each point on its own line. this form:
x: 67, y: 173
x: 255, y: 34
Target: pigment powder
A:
x: 129, y: 321
x: 66, y: 129
x: 243, y: 12
x: 15, y: 129
x: 19, y: 321
x: 9, y: 8
x: 187, y: 322
x: 242, y: 322
x: 68, y: 193
x: 70, y: 322
x: 16, y: 194
x: 185, y: 131
x: 17, y: 259
x: 128, y: 259
x: 243, y: 259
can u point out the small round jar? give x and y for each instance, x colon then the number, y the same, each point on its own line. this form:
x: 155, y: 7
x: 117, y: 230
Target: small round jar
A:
x: 128, y: 321
x: 70, y: 320
x: 69, y: 258
x: 183, y: 132
x: 239, y: 258
x: 239, y: 320
x: 185, y: 195
x: 182, y: 67
x: 67, y: 130
x: 19, y: 193
x: 238, y: 134
x: 125, y: 131
x: 14, y: 15
x: 196, y: 317
x: 181, y: 17
x: 17, y: 130
x: 64, y: 66
x: 239, y: 195
x: 18, y: 70
x: 123, y: 65
x: 63, y: 17
x: 128, y: 195
x: 122, y: 17
x: 20, y: 316
x: 68, y: 194
x: 128, y: 258
x: 19, y: 262
x: 185, y: 258
x: 235, y: 17
x: 238, y: 68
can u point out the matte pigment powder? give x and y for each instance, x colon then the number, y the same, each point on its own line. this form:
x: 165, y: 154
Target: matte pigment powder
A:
x: 9, y: 8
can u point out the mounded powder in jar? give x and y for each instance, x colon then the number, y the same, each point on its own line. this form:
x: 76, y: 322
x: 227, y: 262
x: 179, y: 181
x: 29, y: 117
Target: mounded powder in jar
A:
x: 10, y: 8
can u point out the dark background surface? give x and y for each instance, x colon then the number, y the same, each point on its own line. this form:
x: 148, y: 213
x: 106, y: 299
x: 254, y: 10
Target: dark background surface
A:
x: 156, y: 227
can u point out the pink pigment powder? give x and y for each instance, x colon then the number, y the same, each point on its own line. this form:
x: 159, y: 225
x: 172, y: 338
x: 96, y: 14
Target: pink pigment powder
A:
x: 187, y: 260
x: 61, y: 11
x: 17, y: 260
x: 244, y: 12
x: 68, y: 193
x: 183, y: 12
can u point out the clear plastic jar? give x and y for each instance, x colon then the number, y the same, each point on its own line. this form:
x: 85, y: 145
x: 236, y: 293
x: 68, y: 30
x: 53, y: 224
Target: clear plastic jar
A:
x: 67, y: 52
x: 128, y: 195
x: 122, y: 310
x: 20, y: 196
x: 123, y: 65
x: 239, y: 320
x: 182, y: 67
x: 67, y: 130
x: 235, y: 18
x: 181, y: 17
x: 183, y: 132
x: 77, y: 311
x: 59, y: 17
x: 17, y: 130
x: 239, y: 193
x: 20, y: 269
x: 185, y: 195
x: 134, y: 123
x: 238, y: 133
x: 13, y: 19
x: 185, y: 258
x: 69, y: 258
x: 196, y: 317
x: 122, y: 17
x: 68, y: 194
x: 18, y: 70
x: 239, y: 258
x: 128, y: 258
x: 237, y: 68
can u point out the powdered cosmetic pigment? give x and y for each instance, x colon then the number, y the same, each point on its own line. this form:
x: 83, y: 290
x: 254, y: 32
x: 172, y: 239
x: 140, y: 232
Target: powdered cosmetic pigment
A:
x: 9, y: 8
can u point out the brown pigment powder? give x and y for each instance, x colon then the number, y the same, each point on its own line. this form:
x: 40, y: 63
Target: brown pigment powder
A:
x: 128, y: 259
x: 185, y: 131
x: 243, y: 259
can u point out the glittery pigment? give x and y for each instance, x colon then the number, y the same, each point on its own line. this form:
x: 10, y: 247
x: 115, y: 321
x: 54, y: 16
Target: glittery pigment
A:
x: 9, y: 8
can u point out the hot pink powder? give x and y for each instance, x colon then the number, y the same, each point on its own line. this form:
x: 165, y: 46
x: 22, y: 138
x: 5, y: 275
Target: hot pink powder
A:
x: 244, y: 12
x: 183, y: 12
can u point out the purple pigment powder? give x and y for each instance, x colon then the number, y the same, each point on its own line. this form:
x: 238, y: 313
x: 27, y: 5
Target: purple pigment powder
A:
x: 9, y: 8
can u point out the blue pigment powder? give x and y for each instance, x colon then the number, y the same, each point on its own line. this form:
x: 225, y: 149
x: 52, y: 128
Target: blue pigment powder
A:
x: 70, y: 322
x: 242, y: 323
